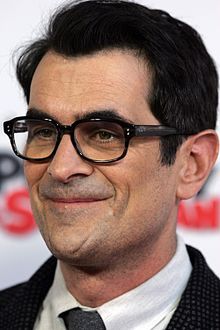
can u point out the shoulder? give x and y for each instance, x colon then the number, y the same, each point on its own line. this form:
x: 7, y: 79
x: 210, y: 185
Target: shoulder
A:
x: 201, y: 274
x: 20, y: 304
x: 200, y: 303
x: 7, y: 294
x: 44, y: 273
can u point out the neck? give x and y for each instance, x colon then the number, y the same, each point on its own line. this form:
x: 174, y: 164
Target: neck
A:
x: 94, y: 286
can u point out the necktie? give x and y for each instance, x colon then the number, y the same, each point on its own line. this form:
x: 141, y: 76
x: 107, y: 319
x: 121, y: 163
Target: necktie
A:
x: 77, y: 319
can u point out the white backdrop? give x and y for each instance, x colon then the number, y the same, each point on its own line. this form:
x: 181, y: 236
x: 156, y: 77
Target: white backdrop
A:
x: 21, y: 247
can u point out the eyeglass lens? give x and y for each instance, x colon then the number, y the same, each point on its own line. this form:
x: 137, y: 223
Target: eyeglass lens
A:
x: 98, y: 141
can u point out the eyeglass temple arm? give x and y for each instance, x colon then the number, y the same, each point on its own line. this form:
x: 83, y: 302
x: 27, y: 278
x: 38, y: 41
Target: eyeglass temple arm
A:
x: 154, y: 130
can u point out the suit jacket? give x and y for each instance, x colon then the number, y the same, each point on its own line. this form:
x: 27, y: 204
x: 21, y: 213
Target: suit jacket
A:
x: 199, y: 307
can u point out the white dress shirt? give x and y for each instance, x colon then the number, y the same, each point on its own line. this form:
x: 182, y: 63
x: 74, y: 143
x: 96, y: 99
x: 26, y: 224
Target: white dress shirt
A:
x: 149, y: 306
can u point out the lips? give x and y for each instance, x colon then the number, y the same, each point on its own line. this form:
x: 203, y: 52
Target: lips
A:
x: 75, y: 200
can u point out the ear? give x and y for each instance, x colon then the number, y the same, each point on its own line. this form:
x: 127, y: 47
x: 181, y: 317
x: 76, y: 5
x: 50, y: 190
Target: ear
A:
x: 197, y: 157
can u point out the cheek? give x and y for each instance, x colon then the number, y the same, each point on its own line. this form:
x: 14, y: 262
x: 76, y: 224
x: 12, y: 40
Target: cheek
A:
x: 143, y: 172
x: 34, y: 172
x: 135, y: 183
x: 141, y: 185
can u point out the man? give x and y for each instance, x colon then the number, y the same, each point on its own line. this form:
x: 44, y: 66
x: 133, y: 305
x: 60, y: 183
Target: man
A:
x: 120, y: 128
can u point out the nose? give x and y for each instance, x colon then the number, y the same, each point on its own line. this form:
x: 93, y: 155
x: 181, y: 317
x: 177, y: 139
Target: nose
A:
x: 66, y: 163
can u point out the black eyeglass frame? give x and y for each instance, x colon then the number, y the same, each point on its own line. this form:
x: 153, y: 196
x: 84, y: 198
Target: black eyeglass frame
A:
x: 130, y: 131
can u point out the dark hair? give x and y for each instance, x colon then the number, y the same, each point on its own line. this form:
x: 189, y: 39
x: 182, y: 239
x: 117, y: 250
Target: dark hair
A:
x: 184, y: 79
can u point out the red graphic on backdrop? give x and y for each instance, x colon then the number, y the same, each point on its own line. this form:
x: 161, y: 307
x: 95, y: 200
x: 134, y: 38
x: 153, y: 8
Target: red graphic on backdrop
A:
x: 15, y: 213
x: 17, y: 217
x: 200, y: 214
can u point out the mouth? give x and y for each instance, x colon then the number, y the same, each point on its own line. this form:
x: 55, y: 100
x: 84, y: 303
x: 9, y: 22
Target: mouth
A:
x: 75, y: 201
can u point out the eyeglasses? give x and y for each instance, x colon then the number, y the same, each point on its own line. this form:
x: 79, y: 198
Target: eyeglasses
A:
x: 96, y: 140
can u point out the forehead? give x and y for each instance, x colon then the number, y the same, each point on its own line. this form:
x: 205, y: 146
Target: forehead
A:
x: 68, y: 88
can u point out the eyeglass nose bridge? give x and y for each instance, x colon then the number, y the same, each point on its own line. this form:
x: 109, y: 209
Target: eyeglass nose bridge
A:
x: 68, y: 130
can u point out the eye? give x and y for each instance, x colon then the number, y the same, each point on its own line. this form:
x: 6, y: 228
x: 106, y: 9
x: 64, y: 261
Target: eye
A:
x: 46, y: 133
x: 104, y: 135
x: 100, y: 134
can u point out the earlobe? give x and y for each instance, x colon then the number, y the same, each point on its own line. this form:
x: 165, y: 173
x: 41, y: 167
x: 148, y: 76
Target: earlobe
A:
x: 198, y: 155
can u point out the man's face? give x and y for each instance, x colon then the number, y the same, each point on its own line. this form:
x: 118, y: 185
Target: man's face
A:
x: 94, y: 214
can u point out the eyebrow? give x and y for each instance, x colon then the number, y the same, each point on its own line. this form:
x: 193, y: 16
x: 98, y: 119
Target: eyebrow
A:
x: 37, y: 113
x: 105, y: 114
x: 102, y: 114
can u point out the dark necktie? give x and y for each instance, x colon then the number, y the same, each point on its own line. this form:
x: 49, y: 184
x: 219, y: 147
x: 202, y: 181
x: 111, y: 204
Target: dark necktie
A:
x: 77, y: 319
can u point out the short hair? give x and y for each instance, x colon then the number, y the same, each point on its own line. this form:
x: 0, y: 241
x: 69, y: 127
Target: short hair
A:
x: 184, y: 91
